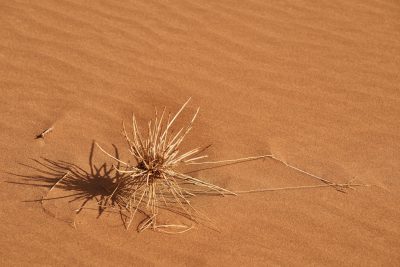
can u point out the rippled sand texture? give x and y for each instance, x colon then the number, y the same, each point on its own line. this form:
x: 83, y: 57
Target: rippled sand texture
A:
x: 316, y: 83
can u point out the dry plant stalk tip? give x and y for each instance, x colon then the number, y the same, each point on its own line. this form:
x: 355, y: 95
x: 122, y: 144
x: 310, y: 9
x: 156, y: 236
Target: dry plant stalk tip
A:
x: 44, y: 133
x: 152, y: 182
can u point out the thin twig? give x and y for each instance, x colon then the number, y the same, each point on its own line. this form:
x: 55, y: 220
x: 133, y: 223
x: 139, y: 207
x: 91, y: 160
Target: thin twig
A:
x: 346, y: 185
x: 54, y: 186
x: 45, y: 132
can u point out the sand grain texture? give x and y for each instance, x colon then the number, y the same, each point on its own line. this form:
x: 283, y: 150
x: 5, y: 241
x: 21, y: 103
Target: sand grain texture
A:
x: 316, y: 83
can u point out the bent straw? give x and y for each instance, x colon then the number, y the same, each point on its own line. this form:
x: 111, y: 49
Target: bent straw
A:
x: 45, y: 198
x: 54, y: 186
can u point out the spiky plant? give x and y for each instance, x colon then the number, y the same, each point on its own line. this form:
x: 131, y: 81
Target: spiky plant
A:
x: 153, y: 181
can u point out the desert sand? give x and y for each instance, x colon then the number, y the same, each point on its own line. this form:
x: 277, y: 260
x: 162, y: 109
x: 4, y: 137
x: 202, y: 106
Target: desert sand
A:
x: 316, y: 83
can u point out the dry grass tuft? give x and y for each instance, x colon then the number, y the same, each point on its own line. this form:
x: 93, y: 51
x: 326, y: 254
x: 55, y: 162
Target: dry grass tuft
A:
x: 152, y: 182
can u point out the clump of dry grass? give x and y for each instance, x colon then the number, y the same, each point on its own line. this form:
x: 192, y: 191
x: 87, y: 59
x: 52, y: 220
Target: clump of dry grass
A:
x: 152, y: 181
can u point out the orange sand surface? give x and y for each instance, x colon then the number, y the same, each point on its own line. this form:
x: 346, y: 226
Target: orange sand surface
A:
x: 316, y: 83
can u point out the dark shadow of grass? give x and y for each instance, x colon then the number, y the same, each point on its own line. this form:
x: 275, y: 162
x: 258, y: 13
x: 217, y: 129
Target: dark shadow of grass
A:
x: 97, y: 184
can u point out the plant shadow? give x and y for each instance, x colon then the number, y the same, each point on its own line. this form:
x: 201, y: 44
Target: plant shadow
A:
x: 97, y: 184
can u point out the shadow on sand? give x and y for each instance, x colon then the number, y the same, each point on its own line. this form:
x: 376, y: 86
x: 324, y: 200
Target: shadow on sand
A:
x: 79, y: 185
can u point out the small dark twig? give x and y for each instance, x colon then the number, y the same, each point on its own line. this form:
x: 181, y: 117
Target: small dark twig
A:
x: 45, y: 132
